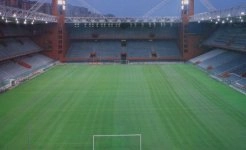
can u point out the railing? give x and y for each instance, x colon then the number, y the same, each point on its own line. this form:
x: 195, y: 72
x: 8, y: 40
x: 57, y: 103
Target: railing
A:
x: 118, y: 20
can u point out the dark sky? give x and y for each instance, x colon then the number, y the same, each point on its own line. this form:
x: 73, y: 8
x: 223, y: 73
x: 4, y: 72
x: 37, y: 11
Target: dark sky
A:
x: 137, y: 8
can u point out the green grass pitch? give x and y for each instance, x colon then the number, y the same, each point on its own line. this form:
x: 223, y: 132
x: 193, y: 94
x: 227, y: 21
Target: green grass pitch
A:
x: 173, y: 107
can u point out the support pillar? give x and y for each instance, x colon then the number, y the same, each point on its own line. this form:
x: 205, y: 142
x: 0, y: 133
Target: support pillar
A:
x: 186, y: 12
x: 56, y: 38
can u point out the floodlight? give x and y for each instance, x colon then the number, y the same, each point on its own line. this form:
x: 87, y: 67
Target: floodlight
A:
x: 185, y: 2
x: 63, y: 3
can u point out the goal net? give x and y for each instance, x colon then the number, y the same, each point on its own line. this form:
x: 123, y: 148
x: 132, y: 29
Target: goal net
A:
x: 117, y: 142
x: 121, y: 61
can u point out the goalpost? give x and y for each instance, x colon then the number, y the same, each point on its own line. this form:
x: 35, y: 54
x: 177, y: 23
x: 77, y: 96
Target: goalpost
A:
x: 139, y: 136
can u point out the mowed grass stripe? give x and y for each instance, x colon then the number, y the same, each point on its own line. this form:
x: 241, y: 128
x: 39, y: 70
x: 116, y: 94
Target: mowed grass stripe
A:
x: 189, y: 122
x: 181, y: 120
x: 172, y: 106
x: 218, y: 110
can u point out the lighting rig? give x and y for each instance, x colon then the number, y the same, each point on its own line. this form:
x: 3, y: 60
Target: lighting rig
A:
x: 227, y: 16
x: 184, y: 4
x: 62, y: 3
x: 11, y: 14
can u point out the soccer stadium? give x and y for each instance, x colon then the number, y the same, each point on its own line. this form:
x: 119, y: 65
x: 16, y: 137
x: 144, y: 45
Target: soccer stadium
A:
x: 122, y: 75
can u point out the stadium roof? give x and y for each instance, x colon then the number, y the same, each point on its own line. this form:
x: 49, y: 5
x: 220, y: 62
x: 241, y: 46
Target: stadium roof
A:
x: 139, y: 8
x: 137, y: 11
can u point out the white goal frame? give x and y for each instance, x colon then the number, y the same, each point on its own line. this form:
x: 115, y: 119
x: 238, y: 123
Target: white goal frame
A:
x: 119, y: 135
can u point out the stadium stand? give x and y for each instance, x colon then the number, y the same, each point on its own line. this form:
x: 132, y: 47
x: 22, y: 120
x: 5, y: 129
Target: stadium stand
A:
x: 102, y: 49
x: 205, y: 56
x: 226, y: 66
x: 238, y: 61
x: 14, y: 47
x: 241, y: 83
x: 240, y: 70
x: 12, y: 70
x: 135, y: 49
x: 166, y: 32
x: 138, y: 49
x: 167, y: 49
x: 232, y: 78
x: 218, y: 60
x: 19, y: 55
x: 37, y: 60
x: 14, y: 31
x: 231, y: 37
x: 78, y: 49
x: 228, y: 62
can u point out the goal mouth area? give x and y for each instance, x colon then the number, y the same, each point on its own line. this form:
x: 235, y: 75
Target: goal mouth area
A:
x: 118, y: 138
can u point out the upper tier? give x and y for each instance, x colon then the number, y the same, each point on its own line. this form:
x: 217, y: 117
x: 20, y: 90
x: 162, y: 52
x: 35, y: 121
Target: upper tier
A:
x: 123, y: 32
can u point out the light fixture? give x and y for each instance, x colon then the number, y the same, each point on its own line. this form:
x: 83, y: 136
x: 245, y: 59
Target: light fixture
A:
x: 185, y: 2
x: 63, y: 3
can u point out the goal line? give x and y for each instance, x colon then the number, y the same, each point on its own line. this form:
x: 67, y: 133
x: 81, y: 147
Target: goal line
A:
x: 119, y: 135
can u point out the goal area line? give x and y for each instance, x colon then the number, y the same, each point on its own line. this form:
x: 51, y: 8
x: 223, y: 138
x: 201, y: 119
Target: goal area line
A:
x: 119, y: 135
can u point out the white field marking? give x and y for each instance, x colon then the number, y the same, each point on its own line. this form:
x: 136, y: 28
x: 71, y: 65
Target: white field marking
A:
x: 119, y: 135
